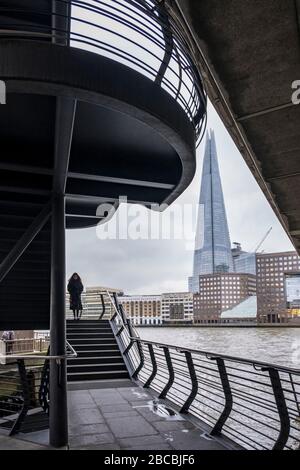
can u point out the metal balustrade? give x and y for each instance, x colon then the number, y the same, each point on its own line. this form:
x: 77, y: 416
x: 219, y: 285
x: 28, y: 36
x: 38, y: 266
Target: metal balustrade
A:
x: 24, y: 390
x: 23, y: 345
x: 144, y: 35
x: 255, y: 404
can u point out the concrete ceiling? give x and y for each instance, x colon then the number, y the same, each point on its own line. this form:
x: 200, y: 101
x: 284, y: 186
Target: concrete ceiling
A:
x: 249, y: 55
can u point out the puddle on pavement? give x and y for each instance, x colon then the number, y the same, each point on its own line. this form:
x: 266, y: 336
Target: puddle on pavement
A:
x: 138, y: 394
x: 169, y: 437
x: 162, y: 410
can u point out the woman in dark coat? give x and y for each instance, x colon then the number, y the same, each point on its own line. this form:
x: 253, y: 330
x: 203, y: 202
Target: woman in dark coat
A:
x: 75, y: 288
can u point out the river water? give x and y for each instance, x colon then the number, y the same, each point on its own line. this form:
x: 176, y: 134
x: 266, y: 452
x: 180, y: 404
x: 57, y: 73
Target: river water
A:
x: 275, y: 345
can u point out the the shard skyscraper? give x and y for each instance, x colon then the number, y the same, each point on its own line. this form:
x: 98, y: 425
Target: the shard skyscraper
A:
x: 212, y: 248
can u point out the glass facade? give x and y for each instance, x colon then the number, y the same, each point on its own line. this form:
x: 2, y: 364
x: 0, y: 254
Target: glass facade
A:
x: 213, y: 248
x: 245, y: 263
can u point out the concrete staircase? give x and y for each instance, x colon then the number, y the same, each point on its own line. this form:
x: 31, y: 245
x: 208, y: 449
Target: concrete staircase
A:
x: 99, y: 357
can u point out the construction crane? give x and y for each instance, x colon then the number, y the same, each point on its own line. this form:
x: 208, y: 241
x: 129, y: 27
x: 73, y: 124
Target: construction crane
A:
x: 263, y: 239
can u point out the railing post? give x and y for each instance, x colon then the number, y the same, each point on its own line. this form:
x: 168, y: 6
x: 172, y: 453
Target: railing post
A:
x: 26, y: 397
x: 154, y: 367
x: 295, y: 393
x: 228, y: 397
x: 103, y: 307
x: 169, y: 44
x: 132, y: 334
x: 142, y: 361
x: 281, y: 408
x: 120, y: 331
x: 170, y: 382
x: 194, y: 380
x: 119, y: 307
x: 127, y: 349
x: 44, y: 385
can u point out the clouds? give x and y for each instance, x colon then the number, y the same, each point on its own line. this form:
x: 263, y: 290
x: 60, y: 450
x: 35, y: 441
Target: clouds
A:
x: 155, y: 266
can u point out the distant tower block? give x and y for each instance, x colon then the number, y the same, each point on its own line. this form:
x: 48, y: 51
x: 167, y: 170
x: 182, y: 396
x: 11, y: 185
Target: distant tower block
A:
x: 213, y: 248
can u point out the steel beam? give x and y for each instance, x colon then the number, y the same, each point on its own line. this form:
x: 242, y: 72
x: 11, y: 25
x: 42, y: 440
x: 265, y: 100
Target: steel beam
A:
x: 85, y: 176
x: 11, y: 259
x: 263, y: 112
x: 72, y: 196
x: 61, y: 22
x: 101, y: 199
x: 58, y: 414
x: 65, y: 115
x: 125, y: 181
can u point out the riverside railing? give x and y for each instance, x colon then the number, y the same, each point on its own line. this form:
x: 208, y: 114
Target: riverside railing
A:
x: 24, y: 391
x: 24, y: 345
x: 141, y: 34
x: 255, y: 404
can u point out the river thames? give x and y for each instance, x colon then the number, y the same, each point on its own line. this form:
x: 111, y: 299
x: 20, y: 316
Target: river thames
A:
x: 276, y: 345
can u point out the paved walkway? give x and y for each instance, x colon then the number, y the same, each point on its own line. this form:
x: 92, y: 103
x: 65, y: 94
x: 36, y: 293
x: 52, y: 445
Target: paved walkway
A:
x: 121, y: 418
x: 22, y: 442
x: 130, y: 418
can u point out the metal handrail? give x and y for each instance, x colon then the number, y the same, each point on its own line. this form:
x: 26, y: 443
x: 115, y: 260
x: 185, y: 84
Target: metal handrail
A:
x: 125, y: 325
x: 211, y: 355
x: 42, y: 356
x: 207, y: 354
x: 254, y: 403
x: 141, y: 34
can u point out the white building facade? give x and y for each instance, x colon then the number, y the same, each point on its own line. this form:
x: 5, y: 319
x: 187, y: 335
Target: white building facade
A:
x: 142, y: 309
x: 177, y: 307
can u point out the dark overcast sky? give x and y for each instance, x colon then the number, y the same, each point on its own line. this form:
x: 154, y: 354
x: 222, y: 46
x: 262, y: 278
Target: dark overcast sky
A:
x: 145, y: 266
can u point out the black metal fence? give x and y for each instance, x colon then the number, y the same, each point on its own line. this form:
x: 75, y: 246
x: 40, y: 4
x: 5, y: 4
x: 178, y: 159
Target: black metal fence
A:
x: 142, y: 34
x: 25, y: 390
x: 255, y: 404
x: 24, y: 396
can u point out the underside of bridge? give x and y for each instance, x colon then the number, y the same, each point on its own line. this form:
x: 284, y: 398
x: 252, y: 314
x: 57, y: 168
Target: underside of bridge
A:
x: 249, y: 54
x: 91, y: 115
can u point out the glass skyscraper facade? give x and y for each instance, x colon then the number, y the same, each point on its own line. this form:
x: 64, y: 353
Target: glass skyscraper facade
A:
x: 245, y: 263
x: 212, y: 248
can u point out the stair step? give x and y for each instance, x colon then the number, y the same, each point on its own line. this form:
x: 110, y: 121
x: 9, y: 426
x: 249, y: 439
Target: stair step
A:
x: 100, y: 384
x: 117, y: 366
x: 95, y: 339
x: 91, y: 342
x: 82, y: 376
x: 95, y: 347
x: 99, y: 353
x: 87, y: 329
x: 99, y: 357
x: 90, y: 335
x: 96, y: 360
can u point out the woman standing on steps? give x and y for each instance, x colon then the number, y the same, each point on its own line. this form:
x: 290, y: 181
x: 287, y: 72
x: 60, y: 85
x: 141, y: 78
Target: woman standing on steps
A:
x: 75, y: 288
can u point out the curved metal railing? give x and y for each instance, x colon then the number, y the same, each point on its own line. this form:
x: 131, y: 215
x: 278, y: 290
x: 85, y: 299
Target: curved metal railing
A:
x: 255, y: 404
x: 141, y: 34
